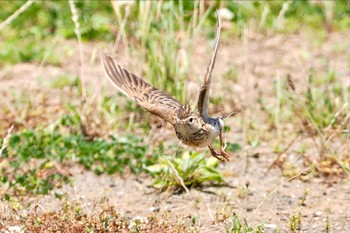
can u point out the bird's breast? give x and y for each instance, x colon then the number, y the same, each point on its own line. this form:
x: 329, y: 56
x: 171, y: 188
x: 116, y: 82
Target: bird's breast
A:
x: 201, y: 138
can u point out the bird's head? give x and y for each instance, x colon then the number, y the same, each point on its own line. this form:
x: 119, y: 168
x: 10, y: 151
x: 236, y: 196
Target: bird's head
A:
x: 187, y: 122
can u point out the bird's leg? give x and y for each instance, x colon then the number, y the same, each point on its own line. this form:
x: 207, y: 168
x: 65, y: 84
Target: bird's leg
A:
x: 222, y: 155
x: 216, y: 154
x: 223, y: 152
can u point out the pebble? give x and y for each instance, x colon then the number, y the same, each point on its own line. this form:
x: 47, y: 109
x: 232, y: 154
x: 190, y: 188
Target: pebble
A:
x: 14, y: 229
x: 318, y: 213
x: 270, y: 226
x: 154, y: 209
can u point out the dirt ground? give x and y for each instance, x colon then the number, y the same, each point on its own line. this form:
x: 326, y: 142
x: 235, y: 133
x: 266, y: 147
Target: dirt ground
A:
x: 134, y: 196
x: 269, y: 199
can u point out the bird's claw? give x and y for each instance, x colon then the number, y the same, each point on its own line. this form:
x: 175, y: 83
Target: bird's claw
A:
x: 222, y: 155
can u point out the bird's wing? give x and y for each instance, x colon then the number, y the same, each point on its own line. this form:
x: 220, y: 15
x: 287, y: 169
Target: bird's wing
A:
x: 147, y: 96
x: 203, y: 98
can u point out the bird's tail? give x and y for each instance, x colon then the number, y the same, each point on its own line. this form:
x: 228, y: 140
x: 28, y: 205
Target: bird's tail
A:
x: 225, y: 115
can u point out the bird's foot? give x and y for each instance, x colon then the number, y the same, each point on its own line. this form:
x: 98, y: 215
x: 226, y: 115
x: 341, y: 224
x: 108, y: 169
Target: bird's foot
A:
x: 222, y: 155
x: 225, y: 154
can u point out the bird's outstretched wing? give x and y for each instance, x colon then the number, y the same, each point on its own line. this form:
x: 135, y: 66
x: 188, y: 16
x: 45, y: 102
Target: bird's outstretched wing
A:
x: 203, y: 98
x: 147, y: 96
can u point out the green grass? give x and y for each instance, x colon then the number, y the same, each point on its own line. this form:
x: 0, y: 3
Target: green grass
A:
x: 318, y: 110
x: 295, y: 222
x: 163, y: 33
x: 193, y: 168
x: 65, y: 80
x: 34, y: 161
x: 237, y: 226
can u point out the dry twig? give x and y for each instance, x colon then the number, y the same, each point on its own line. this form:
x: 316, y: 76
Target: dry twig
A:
x: 16, y: 14
x: 4, y: 143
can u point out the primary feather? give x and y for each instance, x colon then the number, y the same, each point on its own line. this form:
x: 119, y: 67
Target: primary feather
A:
x: 203, y: 98
x: 146, y: 95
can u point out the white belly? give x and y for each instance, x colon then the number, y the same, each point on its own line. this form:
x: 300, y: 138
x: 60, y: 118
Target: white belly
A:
x: 201, y: 140
x: 210, y: 139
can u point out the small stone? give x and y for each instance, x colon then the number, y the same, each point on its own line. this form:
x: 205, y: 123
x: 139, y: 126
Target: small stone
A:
x: 284, y: 212
x: 167, y: 207
x: 318, y: 213
x: 270, y: 226
x: 154, y: 209
x: 14, y: 229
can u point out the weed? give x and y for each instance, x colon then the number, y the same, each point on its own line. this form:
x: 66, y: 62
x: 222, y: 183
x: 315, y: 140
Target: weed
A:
x: 137, y: 224
x: 302, y: 200
x: 238, y: 227
x: 46, y: 23
x: 193, y: 168
x: 242, y: 192
x: 65, y: 80
x: 42, y: 151
x: 224, y: 212
x: 328, y: 225
x: 320, y: 114
x: 165, y: 39
x: 295, y: 222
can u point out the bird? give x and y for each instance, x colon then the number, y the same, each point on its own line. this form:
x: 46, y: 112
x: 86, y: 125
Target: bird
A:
x: 193, y: 128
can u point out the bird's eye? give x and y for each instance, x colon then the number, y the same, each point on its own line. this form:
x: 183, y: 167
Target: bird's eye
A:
x: 190, y: 120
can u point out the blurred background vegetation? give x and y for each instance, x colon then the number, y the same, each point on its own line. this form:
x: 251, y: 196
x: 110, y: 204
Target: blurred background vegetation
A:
x: 44, y: 21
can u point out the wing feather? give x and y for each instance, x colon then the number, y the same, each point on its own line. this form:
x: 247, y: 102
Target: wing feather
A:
x: 203, y: 98
x: 147, y: 96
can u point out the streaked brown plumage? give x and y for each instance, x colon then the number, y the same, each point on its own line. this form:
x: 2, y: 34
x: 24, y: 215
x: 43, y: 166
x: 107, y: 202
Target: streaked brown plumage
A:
x: 193, y: 129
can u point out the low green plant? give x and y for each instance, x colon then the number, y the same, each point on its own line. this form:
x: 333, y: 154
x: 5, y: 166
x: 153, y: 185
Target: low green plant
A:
x: 238, y: 227
x: 34, y: 160
x: 321, y: 112
x: 65, y: 80
x: 325, y: 97
x: 192, y: 167
x: 328, y: 225
x: 44, y: 21
x: 33, y: 35
x: 295, y: 222
x: 165, y: 35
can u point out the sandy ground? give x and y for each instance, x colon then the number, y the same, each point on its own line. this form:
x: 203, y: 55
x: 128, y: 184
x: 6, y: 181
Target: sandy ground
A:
x: 268, y: 201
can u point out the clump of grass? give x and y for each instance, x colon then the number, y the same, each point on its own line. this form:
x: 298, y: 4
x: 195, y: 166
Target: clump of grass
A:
x: 43, y: 22
x: 33, y: 35
x: 165, y: 36
x: 318, y: 113
x: 295, y: 222
x: 238, y: 227
x: 72, y: 217
x: 46, y: 153
x: 192, y: 168
x: 65, y: 80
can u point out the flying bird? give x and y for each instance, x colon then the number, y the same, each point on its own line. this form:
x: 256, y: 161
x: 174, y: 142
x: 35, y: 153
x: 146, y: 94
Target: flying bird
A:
x: 195, y: 129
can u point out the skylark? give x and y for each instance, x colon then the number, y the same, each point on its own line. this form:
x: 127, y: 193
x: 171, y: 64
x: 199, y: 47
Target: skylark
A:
x: 193, y: 129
